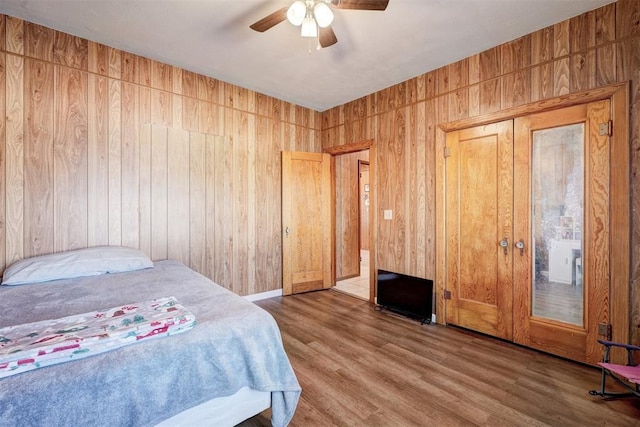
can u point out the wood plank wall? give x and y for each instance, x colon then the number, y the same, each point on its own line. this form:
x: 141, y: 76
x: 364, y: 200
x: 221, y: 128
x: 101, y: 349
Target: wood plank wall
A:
x: 100, y: 146
x: 348, y: 213
x: 591, y: 50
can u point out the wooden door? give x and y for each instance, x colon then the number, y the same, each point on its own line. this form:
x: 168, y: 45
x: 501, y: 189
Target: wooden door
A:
x: 561, y: 215
x: 479, y: 206
x: 306, y: 222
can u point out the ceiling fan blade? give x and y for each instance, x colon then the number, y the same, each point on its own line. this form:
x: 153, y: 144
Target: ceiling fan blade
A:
x: 360, y: 4
x: 270, y: 20
x: 327, y: 37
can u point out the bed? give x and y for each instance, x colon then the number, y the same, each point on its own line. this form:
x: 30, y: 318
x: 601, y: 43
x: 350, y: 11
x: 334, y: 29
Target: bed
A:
x: 230, y: 366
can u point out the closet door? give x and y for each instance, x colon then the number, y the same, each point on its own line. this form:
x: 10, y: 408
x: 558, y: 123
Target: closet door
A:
x: 561, y: 216
x: 479, y: 206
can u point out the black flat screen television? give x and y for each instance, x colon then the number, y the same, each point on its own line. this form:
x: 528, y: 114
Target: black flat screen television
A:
x: 407, y: 295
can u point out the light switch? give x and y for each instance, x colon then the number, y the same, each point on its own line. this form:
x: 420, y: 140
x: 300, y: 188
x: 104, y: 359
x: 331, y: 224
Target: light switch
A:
x: 388, y: 214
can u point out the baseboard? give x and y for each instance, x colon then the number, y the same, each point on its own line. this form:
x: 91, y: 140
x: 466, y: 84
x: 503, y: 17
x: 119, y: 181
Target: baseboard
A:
x: 264, y: 295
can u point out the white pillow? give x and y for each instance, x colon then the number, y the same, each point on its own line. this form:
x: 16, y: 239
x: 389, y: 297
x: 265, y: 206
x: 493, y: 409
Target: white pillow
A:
x: 77, y: 263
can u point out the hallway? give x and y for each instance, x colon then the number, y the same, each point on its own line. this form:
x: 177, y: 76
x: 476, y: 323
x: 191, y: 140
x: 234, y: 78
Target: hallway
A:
x: 357, y: 286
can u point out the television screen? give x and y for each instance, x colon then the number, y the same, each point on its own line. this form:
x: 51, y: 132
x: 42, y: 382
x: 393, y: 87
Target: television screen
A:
x: 408, y: 295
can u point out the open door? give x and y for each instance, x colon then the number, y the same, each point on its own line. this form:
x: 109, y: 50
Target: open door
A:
x: 306, y: 222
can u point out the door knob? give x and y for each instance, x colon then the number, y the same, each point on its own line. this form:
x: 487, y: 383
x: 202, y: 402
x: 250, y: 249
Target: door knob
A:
x: 520, y: 245
x: 504, y: 243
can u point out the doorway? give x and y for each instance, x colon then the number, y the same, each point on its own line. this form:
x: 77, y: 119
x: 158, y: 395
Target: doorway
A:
x: 352, y: 223
x: 528, y: 229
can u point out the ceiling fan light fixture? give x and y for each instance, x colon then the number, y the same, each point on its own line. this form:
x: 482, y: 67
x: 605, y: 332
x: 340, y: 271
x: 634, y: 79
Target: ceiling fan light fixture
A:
x: 297, y: 12
x: 309, y: 27
x: 323, y: 14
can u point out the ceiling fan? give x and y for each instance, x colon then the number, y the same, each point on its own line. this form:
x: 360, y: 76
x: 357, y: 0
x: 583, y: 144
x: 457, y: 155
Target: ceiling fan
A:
x: 315, y: 17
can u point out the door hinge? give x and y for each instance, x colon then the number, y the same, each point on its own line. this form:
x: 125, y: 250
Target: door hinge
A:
x: 604, y: 330
x: 447, y: 152
x: 446, y: 294
x: 606, y: 129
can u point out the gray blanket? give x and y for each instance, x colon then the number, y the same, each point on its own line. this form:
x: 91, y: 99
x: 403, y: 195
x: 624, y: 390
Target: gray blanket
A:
x: 234, y: 344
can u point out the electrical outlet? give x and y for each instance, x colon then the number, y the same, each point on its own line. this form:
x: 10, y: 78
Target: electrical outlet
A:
x: 388, y: 214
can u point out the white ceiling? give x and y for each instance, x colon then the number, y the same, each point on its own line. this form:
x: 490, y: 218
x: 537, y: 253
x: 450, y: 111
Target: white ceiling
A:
x: 375, y: 49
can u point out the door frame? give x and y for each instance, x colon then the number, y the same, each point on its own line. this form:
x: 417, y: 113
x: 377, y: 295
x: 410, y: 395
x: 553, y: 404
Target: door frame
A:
x: 360, y: 164
x: 354, y: 147
x: 620, y: 238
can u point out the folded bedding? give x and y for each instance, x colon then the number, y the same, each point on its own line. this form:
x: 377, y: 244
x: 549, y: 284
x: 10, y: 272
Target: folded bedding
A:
x: 38, y: 344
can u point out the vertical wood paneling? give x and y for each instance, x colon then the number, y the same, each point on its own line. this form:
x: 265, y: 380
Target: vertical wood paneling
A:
x: 561, y: 73
x: 516, y: 89
x: 145, y: 188
x: 3, y: 148
x: 145, y: 104
x: 130, y: 145
x: 3, y: 31
x: 98, y: 58
x: 161, y: 76
x: 210, y: 205
x: 98, y: 161
x: 583, y: 76
x: 606, y: 65
x: 94, y: 169
x: 130, y: 68
x: 459, y: 104
x: 178, y: 195
x: 161, y: 108
x: 542, y: 45
x: 38, y: 42
x: 197, y: 203
x: 115, y: 162
x: 38, y: 156
x: 223, y: 227
x: 189, y: 84
x: 115, y: 63
x: 493, y: 80
x: 430, y: 189
x: 490, y: 64
x: 14, y: 187
x: 176, y: 111
x: 190, y: 115
x: 542, y: 83
x: 411, y: 198
x: 14, y: 29
x: 516, y: 54
x: 420, y: 135
x: 605, y: 24
x: 252, y: 207
x: 490, y: 96
x: 239, y: 202
x: 70, y: 51
x: 144, y: 68
x: 561, y: 39
x: 70, y: 160
x: 159, y: 188
x: 582, y: 31
x: 627, y: 18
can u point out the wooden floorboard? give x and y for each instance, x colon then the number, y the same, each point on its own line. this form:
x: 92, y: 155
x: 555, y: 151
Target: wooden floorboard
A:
x: 361, y: 367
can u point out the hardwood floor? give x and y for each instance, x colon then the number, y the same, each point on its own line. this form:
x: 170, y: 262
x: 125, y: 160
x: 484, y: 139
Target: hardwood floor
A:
x: 361, y: 367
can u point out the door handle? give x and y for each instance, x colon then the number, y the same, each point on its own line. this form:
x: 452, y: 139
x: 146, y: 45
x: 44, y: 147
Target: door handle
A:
x: 287, y: 231
x: 520, y: 245
x: 504, y: 243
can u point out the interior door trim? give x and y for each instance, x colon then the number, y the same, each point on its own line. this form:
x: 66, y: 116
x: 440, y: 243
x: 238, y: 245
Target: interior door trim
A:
x: 620, y: 238
x: 367, y: 144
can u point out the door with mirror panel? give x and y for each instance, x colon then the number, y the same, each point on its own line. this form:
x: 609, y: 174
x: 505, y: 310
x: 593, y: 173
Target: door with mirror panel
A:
x: 549, y: 234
